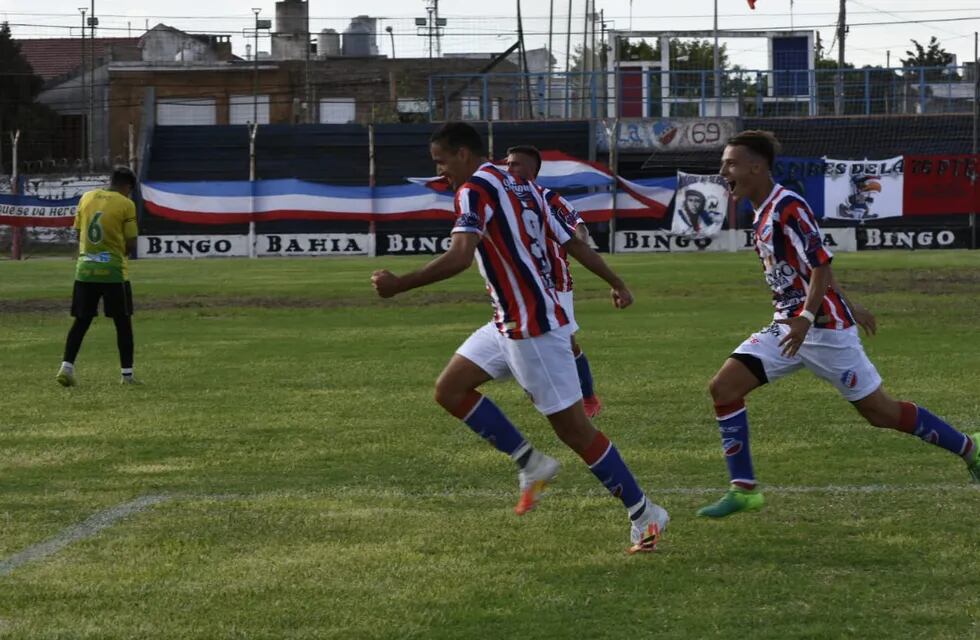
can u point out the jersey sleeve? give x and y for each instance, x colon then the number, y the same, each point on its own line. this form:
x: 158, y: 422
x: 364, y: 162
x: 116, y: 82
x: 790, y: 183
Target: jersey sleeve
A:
x: 473, y: 210
x: 800, y: 226
x: 130, y: 230
x: 563, y: 209
x: 556, y: 225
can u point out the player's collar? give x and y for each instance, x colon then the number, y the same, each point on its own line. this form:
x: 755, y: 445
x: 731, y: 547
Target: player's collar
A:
x: 776, y: 188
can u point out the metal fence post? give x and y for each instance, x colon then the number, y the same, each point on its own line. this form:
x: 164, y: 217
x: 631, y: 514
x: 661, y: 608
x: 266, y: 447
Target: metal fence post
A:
x: 17, y: 231
x: 922, y: 90
x: 253, y: 128
x: 867, y: 92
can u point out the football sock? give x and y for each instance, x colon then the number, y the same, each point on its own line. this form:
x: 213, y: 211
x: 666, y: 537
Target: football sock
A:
x: 584, y: 375
x: 607, y: 465
x: 127, y: 372
x: 124, y: 340
x: 934, y: 430
x: 68, y: 366
x: 523, y: 458
x: 75, y: 336
x: 482, y: 416
x: 733, y: 423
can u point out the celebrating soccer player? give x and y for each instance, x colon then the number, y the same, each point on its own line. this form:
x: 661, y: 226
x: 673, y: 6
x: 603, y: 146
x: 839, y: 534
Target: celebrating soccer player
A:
x: 813, y: 328
x: 505, y: 222
x: 524, y: 161
x: 106, y: 224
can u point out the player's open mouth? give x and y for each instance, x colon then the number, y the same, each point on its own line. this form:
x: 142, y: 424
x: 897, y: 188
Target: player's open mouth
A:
x: 731, y: 186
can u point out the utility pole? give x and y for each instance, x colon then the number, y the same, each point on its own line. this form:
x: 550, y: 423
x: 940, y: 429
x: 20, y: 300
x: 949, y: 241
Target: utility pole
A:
x: 523, y: 54
x: 568, y: 52
x: 841, y: 35
x: 92, y: 22
x: 82, y: 10
x: 547, y: 85
x: 717, y: 64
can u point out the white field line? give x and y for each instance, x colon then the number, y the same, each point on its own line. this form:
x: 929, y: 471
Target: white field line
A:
x: 90, y: 527
x: 105, y: 519
x: 353, y: 491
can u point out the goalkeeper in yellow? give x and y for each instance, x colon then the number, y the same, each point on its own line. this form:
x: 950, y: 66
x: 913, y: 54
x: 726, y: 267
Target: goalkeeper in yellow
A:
x: 106, y: 224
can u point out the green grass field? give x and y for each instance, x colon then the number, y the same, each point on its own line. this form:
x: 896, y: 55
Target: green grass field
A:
x: 311, y: 488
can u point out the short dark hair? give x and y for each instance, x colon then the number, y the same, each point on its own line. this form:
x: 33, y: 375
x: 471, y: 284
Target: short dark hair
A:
x: 122, y: 176
x: 762, y: 143
x: 457, y: 135
x: 527, y: 150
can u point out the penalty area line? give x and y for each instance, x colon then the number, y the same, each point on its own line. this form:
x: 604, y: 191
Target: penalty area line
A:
x: 86, y: 529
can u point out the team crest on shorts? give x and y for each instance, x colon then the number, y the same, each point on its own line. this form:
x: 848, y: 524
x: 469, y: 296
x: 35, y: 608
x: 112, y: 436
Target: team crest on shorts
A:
x: 849, y: 379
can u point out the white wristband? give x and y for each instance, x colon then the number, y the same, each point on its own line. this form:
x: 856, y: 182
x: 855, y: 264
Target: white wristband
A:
x: 808, y: 315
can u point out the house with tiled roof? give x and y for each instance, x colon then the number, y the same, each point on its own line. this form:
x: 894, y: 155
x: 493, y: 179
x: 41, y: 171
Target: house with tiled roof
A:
x: 77, y: 78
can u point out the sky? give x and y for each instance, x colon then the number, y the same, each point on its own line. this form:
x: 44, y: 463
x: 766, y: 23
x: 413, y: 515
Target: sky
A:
x: 875, y: 27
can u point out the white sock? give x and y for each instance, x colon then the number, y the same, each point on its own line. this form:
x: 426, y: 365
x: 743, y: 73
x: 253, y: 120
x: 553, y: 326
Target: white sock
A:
x: 128, y: 372
x: 68, y: 366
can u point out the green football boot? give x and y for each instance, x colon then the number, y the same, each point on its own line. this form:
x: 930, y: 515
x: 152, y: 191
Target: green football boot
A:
x: 65, y: 377
x: 735, y: 500
x: 973, y: 466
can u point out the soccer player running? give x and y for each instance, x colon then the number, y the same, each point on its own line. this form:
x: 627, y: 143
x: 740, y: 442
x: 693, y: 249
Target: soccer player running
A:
x: 106, y: 224
x: 813, y: 328
x: 524, y: 161
x: 505, y: 223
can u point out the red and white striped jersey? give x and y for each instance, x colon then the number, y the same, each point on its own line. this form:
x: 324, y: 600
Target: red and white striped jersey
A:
x: 515, y: 226
x: 565, y: 212
x: 790, y: 245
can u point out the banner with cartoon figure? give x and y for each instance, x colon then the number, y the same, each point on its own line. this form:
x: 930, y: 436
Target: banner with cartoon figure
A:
x: 860, y: 190
x: 700, y: 205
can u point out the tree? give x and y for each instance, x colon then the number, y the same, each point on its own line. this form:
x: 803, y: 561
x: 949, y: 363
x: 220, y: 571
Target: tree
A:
x: 932, y: 56
x: 19, y: 87
x: 685, y: 55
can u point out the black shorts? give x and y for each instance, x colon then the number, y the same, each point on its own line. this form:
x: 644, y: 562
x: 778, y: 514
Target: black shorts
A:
x: 117, y: 299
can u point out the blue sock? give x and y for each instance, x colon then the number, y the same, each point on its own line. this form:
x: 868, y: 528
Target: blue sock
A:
x: 935, y: 430
x: 584, y: 375
x: 733, y: 423
x: 606, y: 464
x: 484, y: 417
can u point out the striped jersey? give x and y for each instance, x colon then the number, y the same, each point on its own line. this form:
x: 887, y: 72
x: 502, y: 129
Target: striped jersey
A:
x: 561, y: 208
x: 790, y: 246
x: 515, y: 226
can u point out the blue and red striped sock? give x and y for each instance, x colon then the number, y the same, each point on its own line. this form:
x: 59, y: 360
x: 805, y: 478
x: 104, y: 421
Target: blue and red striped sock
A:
x: 733, y: 423
x: 932, y: 429
x: 607, y: 465
x: 484, y: 417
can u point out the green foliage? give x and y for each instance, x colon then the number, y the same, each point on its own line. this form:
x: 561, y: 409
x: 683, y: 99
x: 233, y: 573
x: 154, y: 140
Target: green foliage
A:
x: 317, y: 491
x: 19, y: 87
x: 931, y: 55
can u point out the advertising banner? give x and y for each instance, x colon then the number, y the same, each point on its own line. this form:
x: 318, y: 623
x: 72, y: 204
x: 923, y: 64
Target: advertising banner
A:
x: 223, y: 246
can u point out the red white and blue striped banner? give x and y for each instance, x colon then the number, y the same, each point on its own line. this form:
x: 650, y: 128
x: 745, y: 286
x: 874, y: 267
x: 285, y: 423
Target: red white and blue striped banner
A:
x: 422, y: 199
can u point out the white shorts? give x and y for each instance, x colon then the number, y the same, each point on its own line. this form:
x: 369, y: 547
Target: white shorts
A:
x: 543, y: 365
x: 567, y: 300
x: 837, y: 356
